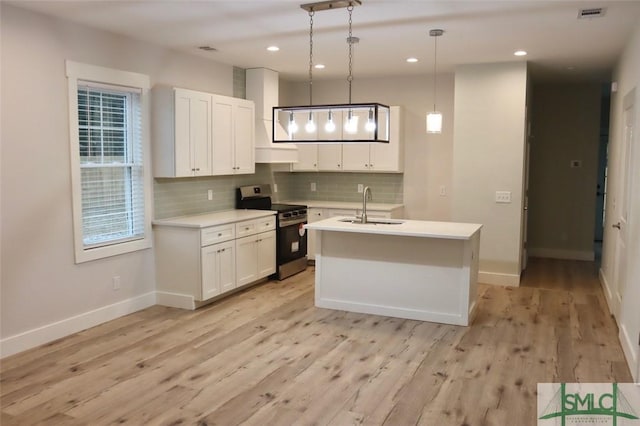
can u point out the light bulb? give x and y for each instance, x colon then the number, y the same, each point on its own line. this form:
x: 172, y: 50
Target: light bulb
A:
x: 293, y: 126
x: 371, y: 124
x: 310, y: 127
x: 351, y: 126
x: 330, y: 126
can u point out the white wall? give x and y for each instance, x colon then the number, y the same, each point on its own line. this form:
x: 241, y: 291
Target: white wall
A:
x: 44, y: 294
x: 627, y: 75
x: 427, y: 157
x: 488, y: 153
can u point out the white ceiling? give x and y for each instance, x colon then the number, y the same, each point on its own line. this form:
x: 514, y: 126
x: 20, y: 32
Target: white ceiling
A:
x: 476, y: 31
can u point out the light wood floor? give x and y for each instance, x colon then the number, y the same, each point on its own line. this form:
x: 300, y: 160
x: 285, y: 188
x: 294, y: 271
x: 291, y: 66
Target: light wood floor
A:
x: 267, y: 356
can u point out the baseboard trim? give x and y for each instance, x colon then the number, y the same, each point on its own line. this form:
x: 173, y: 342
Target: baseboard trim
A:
x: 562, y: 254
x: 45, y: 334
x: 496, y: 278
x: 175, y: 300
x: 606, y: 289
x: 630, y: 351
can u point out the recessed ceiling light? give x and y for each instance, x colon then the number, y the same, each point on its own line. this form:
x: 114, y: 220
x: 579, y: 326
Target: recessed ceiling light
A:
x: 273, y: 48
x: 412, y: 60
x: 319, y: 66
x: 520, y: 53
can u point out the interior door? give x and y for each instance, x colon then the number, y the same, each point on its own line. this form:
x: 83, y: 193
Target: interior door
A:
x: 622, y: 224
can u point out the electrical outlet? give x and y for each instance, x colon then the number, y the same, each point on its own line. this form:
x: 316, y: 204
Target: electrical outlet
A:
x: 115, y: 282
x: 443, y: 191
x: 210, y: 194
x: 360, y: 188
x: 503, y: 197
x: 275, y: 188
x: 313, y: 186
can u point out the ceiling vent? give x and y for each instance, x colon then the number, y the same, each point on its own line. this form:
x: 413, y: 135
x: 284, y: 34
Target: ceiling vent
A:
x: 594, y: 12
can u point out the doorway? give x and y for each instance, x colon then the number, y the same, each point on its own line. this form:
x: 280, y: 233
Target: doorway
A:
x: 601, y: 186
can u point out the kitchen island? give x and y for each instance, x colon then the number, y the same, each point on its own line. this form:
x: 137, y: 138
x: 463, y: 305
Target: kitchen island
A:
x: 401, y: 268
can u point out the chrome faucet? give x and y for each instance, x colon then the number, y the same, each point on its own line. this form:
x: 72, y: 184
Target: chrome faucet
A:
x: 367, y: 191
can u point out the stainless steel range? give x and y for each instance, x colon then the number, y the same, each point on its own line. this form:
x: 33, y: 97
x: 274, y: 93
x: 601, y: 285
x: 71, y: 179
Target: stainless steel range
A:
x: 291, y: 237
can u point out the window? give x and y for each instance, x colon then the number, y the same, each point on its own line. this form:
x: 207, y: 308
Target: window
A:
x: 108, y: 146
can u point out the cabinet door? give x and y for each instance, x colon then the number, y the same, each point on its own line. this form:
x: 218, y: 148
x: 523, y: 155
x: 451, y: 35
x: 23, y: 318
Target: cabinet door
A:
x: 307, y: 158
x: 266, y: 254
x: 330, y: 157
x: 244, y: 137
x: 192, y: 133
x: 218, y: 269
x: 210, y: 272
x: 389, y: 156
x: 227, y: 266
x: 222, y: 142
x: 355, y: 156
x: 246, y: 260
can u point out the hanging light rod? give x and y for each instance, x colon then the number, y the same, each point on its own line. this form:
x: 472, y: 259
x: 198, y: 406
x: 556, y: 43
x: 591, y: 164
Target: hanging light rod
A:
x: 331, y: 4
x: 333, y: 123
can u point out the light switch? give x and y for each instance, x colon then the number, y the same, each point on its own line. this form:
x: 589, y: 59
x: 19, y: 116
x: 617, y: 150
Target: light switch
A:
x: 360, y: 188
x: 210, y: 194
x: 313, y: 186
x: 503, y: 197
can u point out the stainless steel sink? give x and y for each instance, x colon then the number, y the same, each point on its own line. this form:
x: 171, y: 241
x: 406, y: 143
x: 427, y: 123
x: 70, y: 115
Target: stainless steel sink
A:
x: 373, y: 221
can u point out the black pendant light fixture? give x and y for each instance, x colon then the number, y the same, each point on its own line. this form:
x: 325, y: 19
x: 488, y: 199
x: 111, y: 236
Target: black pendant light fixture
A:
x: 333, y: 123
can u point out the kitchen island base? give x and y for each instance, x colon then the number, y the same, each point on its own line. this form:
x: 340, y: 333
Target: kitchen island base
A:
x: 405, y: 276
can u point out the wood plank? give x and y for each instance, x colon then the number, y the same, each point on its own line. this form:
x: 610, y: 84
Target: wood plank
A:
x: 266, y: 355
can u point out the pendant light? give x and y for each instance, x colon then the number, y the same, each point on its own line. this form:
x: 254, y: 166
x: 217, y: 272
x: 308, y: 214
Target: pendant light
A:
x: 434, y: 118
x: 310, y: 127
x: 349, y: 115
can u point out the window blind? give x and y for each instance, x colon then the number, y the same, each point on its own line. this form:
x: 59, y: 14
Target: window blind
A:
x: 111, y: 166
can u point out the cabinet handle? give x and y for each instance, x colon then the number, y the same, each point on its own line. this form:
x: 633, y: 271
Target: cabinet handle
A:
x: 219, y: 234
x: 198, y: 169
x: 315, y: 165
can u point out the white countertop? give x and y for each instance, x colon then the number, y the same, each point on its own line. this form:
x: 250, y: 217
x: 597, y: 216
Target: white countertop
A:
x: 320, y: 204
x: 205, y: 220
x: 408, y: 228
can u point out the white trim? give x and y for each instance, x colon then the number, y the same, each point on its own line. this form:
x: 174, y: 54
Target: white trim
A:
x: 630, y: 350
x: 76, y: 71
x: 496, y: 278
x: 562, y: 254
x: 175, y: 300
x: 606, y: 289
x: 47, y: 333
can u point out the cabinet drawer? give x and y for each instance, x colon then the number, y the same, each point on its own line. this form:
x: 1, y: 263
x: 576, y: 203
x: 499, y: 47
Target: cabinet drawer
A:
x: 217, y: 234
x: 254, y: 226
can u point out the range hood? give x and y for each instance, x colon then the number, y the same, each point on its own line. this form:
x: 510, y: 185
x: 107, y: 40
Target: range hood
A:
x: 262, y: 89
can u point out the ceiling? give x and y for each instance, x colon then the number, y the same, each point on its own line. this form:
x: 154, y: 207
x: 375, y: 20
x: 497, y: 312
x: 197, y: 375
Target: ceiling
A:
x: 559, y: 45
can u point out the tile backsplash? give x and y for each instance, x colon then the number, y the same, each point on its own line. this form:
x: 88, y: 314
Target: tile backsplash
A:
x: 183, y: 196
x: 385, y: 187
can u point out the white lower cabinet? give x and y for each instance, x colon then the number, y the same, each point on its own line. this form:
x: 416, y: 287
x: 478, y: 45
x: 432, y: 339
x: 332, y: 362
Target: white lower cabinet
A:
x: 255, y: 257
x: 218, y: 269
x: 195, y: 265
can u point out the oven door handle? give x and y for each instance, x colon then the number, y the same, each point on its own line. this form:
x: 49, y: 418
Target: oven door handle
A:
x: 289, y: 222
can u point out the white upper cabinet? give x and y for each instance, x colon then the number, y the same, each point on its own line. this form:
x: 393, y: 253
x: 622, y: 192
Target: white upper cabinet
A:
x: 233, y: 136
x: 201, y: 134
x: 307, y: 158
x: 377, y: 157
x: 182, y: 133
x: 357, y: 156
